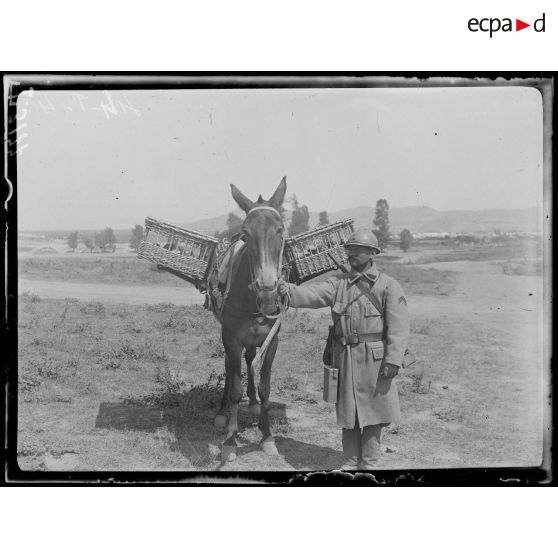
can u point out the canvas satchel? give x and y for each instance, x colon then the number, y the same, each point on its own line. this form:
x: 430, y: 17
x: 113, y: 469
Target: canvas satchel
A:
x: 327, y: 356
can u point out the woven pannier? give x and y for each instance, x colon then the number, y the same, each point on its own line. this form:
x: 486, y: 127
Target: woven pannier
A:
x: 307, y: 253
x: 185, y: 253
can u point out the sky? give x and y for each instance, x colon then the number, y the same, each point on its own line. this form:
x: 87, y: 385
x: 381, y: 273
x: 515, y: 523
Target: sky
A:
x: 96, y: 159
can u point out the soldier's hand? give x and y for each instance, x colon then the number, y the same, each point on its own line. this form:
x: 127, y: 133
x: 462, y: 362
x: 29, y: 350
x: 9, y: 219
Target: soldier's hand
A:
x: 282, y: 287
x: 389, y: 370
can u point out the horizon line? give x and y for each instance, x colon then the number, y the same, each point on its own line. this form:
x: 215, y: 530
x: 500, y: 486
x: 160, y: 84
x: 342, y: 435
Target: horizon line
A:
x: 311, y: 211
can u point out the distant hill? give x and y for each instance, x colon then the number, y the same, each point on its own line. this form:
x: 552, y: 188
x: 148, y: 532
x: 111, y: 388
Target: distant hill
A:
x: 418, y: 219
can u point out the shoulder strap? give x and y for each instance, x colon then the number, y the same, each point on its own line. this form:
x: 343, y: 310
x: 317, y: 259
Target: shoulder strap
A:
x: 367, y: 292
x: 351, y: 303
x: 346, y: 308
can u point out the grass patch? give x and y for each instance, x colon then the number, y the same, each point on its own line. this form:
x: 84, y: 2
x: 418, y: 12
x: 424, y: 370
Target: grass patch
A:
x: 92, y: 269
x: 133, y: 271
x: 415, y: 281
x: 125, y: 387
x: 483, y: 253
x: 534, y: 268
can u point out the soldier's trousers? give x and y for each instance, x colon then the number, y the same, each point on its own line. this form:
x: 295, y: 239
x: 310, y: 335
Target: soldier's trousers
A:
x: 361, y: 446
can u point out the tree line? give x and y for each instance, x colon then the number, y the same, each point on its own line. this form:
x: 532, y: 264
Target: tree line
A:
x: 300, y: 217
x: 104, y: 240
x: 299, y: 223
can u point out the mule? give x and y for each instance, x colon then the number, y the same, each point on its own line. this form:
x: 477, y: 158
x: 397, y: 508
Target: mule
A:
x: 249, y: 313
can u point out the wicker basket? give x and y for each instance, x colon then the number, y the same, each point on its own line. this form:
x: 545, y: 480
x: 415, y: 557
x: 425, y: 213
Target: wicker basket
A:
x: 307, y: 253
x: 184, y: 253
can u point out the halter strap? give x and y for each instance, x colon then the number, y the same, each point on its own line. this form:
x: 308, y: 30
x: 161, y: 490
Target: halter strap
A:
x: 264, y: 207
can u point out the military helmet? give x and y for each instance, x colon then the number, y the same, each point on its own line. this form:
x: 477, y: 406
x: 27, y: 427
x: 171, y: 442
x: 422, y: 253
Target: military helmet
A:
x: 363, y: 237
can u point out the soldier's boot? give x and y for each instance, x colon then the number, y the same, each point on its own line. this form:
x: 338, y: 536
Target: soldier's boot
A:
x: 370, y: 446
x: 351, y: 448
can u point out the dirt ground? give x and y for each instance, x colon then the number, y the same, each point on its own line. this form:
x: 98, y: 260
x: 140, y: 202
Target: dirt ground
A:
x: 474, y: 399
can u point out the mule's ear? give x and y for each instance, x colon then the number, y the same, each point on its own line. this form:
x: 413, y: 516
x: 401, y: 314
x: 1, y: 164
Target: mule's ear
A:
x: 244, y: 203
x: 276, y: 200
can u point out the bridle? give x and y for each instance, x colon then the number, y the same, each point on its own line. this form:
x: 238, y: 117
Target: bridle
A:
x: 254, y: 286
x: 268, y: 207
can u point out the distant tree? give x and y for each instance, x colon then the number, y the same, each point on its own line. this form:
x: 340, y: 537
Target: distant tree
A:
x: 299, y: 218
x: 105, y: 239
x: 100, y: 241
x: 137, y: 237
x: 110, y: 238
x: 323, y: 218
x: 382, y: 223
x: 89, y: 244
x: 73, y: 241
x: 405, y: 240
x: 465, y: 238
x: 234, y: 224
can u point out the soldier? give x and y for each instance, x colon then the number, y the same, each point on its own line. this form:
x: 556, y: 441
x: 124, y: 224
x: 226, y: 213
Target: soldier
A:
x: 369, y: 344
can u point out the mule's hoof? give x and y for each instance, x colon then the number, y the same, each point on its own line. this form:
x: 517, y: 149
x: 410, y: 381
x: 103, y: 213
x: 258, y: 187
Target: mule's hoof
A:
x: 269, y: 447
x: 220, y: 422
x: 228, y: 453
x: 254, y: 409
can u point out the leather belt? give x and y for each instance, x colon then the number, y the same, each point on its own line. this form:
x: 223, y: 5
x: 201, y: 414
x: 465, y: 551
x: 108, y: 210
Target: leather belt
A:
x: 356, y: 338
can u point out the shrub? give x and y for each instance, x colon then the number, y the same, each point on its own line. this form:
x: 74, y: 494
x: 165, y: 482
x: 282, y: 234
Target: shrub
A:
x: 418, y: 384
x: 216, y: 349
x: 94, y: 309
x: 130, y: 354
x: 448, y: 414
x: 29, y: 297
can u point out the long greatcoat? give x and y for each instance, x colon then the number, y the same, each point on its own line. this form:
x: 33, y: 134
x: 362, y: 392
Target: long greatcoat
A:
x: 361, y: 390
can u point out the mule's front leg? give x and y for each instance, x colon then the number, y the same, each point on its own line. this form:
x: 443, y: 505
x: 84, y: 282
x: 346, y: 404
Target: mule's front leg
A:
x: 220, y: 421
x: 254, y: 406
x: 264, y: 389
x: 233, y: 364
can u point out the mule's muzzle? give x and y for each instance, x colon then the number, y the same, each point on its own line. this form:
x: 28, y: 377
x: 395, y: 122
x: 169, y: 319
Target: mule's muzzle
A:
x: 268, y: 301
x: 262, y: 287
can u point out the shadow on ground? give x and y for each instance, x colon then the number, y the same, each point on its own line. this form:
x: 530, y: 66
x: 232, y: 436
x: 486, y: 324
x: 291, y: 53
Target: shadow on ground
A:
x: 308, y: 457
x: 189, y: 417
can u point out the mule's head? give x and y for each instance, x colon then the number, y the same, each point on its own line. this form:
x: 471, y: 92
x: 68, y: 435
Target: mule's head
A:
x: 263, y: 232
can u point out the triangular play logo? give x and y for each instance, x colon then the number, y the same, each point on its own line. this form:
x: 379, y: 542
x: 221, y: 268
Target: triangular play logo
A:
x: 519, y: 25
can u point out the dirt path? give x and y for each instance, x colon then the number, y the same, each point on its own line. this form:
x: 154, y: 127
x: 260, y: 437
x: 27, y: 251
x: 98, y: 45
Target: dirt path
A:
x: 482, y: 291
x: 481, y: 288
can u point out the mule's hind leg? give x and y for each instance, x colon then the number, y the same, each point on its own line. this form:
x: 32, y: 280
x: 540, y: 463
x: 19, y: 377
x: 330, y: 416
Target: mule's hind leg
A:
x: 264, y: 389
x: 254, y: 406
